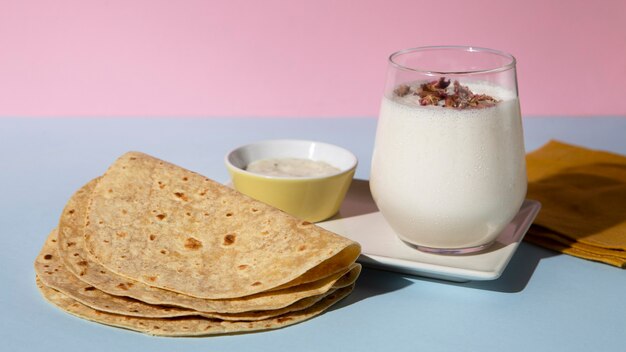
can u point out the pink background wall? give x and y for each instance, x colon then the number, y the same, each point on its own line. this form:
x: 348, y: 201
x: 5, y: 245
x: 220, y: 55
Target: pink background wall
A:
x: 291, y: 58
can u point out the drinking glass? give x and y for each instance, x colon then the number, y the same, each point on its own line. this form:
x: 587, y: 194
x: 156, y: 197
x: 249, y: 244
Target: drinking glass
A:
x: 448, y: 170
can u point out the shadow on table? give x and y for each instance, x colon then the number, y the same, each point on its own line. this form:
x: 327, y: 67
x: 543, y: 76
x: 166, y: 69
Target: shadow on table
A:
x: 516, y: 275
x: 358, y: 201
x: 373, y: 283
x: 515, y: 278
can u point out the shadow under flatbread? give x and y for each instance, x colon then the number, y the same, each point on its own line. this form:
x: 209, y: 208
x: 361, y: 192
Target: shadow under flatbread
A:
x: 371, y: 283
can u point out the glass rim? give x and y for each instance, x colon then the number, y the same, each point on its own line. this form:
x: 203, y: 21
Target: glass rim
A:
x: 507, y: 66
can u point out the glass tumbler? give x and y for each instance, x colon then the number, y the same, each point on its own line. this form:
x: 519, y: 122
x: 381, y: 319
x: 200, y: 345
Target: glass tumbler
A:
x: 448, y: 169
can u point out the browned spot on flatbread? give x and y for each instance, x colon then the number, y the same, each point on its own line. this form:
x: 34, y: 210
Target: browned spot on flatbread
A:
x: 192, y: 243
x: 121, y: 234
x: 283, y: 319
x: 122, y: 286
x: 89, y: 288
x: 82, y: 263
x: 69, y: 244
x: 301, y: 248
x: 257, y: 283
x: 152, y: 237
x: 181, y: 196
x: 229, y: 239
x: 242, y: 267
x: 71, y: 211
x: 161, y: 216
x: 151, y: 278
x: 47, y: 256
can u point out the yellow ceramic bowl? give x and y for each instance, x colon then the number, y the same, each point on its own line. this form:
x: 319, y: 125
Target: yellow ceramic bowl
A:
x: 309, y: 198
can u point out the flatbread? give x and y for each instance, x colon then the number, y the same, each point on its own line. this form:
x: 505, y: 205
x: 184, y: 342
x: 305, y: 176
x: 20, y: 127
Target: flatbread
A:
x: 187, y: 326
x: 156, y: 223
x: 155, y: 248
x: 53, y: 273
x: 77, y: 260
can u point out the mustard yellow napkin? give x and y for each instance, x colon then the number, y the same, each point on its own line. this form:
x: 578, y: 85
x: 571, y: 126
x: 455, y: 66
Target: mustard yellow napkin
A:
x: 583, y: 193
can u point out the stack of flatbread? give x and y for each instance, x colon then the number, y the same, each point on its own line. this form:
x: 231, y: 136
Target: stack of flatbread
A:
x: 155, y: 248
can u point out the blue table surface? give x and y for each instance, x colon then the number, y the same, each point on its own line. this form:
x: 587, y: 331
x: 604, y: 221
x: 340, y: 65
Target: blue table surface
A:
x: 544, y: 301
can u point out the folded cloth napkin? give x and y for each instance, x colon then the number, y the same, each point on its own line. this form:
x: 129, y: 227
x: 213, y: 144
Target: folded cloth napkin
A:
x: 583, y: 196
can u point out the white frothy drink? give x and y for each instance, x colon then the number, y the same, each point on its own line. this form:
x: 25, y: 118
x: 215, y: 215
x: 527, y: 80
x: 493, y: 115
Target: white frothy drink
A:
x: 449, y: 178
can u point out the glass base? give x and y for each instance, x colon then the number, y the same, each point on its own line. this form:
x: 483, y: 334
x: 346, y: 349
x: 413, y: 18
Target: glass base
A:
x: 451, y: 251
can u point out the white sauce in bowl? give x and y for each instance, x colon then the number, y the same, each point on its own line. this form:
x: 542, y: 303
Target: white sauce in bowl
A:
x: 291, y: 167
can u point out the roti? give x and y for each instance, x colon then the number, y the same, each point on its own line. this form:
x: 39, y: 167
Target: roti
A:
x: 155, y: 248
x: 188, y: 326
x: 53, y: 274
x: 156, y: 223
x: 77, y: 260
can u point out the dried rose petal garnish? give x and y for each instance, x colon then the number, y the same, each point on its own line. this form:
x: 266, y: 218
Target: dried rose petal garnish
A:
x: 438, y: 93
x: 464, y: 98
